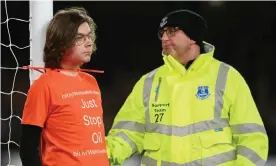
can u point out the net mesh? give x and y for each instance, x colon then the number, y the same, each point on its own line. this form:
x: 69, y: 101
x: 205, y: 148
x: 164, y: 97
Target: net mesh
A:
x: 10, y: 70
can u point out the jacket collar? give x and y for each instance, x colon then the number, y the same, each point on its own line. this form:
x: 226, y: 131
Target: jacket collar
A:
x: 175, y: 66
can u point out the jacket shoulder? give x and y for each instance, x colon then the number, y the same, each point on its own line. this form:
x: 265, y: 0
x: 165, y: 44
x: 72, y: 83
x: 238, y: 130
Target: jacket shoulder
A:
x: 234, y: 78
x: 151, y: 74
x: 233, y: 72
x: 222, y: 64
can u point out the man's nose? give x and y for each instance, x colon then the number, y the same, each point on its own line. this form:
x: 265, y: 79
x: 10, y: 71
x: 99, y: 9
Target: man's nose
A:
x: 88, y: 42
x: 164, y: 37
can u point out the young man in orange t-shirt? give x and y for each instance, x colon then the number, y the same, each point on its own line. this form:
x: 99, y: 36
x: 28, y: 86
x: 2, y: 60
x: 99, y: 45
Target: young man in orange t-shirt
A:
x: 62, y: 123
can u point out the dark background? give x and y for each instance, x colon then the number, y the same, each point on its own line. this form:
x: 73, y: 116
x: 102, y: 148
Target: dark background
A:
x: 128, y: 47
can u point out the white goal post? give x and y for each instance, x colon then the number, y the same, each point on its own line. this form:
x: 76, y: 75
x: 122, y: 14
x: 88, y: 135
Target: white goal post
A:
x: 41, y: 12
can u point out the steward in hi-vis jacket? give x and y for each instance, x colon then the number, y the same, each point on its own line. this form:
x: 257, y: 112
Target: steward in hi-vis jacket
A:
x: 193, y: 111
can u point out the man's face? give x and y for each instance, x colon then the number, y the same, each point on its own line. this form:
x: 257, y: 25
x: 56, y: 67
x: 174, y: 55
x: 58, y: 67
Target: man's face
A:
x: 82, y: 49
x: 174, y: 42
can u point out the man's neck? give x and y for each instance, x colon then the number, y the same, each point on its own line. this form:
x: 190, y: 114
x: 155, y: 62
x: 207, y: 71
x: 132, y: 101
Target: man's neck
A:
x: 70, y: 70
x: 188, y: 56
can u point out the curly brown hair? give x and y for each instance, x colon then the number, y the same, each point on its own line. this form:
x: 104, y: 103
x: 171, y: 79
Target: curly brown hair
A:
x: 61, y: 34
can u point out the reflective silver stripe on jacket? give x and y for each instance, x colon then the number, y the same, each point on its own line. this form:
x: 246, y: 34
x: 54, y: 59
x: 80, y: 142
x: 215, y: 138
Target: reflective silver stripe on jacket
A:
x: 208, y: 161
x: 190, y: 129
x: 128, y: 140
x: 146, y: 97
x: 130, y: 125
x: 247, y: 128
x: 250, y: 155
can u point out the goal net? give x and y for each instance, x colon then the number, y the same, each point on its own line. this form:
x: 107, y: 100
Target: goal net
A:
x: 23, y: 26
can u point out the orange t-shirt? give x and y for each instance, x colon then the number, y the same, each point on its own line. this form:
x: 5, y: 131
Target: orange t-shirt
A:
x: 70, y: 112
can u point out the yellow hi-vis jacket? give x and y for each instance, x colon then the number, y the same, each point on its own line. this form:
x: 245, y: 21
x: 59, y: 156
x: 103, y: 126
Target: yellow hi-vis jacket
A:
x: 203, y: 116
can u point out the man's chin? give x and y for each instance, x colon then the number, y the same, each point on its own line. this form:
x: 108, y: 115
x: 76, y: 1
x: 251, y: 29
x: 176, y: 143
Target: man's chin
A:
x: 165, y: 52
x: 87, y: 59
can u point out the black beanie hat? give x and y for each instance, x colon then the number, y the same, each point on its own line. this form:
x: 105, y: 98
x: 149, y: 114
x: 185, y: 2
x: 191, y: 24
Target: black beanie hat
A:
x: 191, y: 23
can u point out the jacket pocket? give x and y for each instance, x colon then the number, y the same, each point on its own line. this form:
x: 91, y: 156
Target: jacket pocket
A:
x: 212, y: 138
x: 217, y: 147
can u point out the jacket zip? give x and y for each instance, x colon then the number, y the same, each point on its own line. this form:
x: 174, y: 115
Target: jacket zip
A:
x: 157, y: 89
x: 189, y: 68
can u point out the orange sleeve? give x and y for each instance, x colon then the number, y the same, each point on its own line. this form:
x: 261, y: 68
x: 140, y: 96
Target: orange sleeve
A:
x: 37, y: 104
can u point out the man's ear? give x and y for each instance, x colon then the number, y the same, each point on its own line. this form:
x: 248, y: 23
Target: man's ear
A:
x: 192, y: 42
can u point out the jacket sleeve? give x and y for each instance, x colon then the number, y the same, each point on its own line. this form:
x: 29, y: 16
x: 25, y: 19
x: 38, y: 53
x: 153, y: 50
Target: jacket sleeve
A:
x: 248, y: 130
x: 127, y: 132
